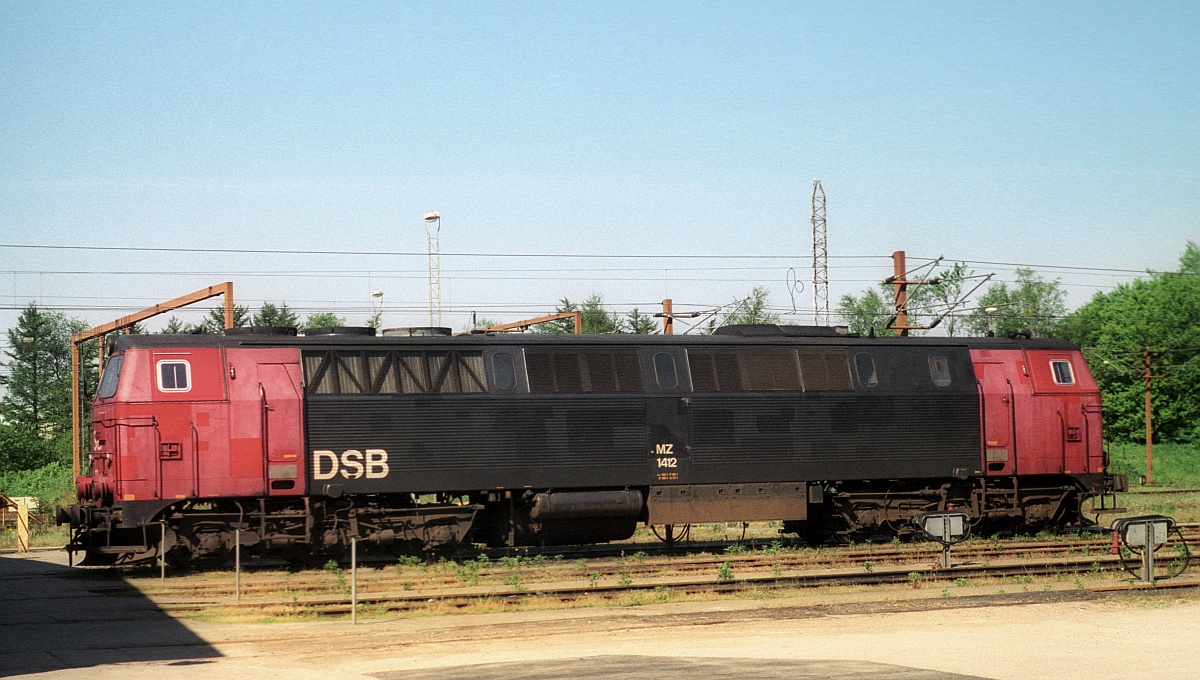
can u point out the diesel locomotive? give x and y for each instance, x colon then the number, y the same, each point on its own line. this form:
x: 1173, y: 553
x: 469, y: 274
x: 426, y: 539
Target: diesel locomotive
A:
x: 296, y: 444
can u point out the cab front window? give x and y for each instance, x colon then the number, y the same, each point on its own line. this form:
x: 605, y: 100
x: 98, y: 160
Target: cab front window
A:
x: 112, y: 375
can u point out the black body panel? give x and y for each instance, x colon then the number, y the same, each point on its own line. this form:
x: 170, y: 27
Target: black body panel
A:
x: 480, y: 442
x: 901, y: 426
x: 832, y: 436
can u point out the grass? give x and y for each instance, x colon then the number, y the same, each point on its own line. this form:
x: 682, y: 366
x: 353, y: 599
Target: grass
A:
x: 1175, y: 465
x: 1184, y: 507
x: 40, y: 536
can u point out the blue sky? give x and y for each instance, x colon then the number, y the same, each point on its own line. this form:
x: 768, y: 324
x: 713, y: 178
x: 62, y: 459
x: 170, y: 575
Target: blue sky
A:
x: 1064, y: 134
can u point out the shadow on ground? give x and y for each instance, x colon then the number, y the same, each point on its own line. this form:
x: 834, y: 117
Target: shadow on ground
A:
x: 53, y: 617
x: 714, y: 668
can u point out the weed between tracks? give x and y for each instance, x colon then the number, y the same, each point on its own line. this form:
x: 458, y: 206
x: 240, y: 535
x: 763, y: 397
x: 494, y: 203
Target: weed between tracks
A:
x: 412, y: 588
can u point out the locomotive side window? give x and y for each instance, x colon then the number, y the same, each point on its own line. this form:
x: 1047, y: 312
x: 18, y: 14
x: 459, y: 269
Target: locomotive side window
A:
x: 825, y: 370
x: 939, y: 370
x: 174, y: 376
x: 541, y: 372
x: 505, y: 372
x: 664, y: 371
x: 770, y: 371
x: 574, y: 372
x: 865, y: 365
x: 112, y: 374
x: 1062, y: 373
x: 714, y: 371
x: 629, y: 372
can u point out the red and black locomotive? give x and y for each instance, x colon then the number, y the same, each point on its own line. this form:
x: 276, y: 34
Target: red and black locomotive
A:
x: 429, y: 441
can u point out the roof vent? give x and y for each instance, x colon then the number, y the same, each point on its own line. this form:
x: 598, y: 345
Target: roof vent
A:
x: 417, y: 331
x: 261, y: 330
x: 770, y: 330
x: 341, y: 330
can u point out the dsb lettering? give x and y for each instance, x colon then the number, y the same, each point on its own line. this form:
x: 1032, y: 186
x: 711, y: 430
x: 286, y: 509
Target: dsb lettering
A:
x: 352, y: 464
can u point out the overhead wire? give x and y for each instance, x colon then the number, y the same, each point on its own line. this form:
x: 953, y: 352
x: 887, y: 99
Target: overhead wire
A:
x: 287, y: 251
x: 599, y: 256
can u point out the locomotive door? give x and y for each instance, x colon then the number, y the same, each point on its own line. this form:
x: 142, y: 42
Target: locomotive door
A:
x: 668, y: 382
x: 999, y: 418
x: 282, y: 440
x: 265, y: 426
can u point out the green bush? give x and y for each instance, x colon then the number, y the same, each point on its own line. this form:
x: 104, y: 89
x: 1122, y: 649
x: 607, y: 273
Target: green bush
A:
x: 49, y: 484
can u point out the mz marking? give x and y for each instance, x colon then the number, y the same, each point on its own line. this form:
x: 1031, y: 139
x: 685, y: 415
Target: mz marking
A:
x: 351, y: 464
x: 664, y: 454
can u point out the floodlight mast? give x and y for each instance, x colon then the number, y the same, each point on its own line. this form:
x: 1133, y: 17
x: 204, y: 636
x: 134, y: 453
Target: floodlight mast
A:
x: 820, y: 257
x: 433, y: 231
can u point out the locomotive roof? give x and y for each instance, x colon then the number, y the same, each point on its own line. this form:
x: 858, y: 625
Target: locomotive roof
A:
x: 329, y: 341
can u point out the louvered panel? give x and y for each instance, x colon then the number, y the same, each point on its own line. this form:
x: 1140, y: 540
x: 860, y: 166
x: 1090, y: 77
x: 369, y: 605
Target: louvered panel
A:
x: 839, y: 435
x: 452, y: 439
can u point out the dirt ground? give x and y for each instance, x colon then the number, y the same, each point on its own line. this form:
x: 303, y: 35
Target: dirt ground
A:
x: 59, y: 626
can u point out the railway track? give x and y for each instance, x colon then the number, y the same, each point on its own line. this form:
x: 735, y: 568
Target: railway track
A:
x: 449, y: 586
x: 565, y: 592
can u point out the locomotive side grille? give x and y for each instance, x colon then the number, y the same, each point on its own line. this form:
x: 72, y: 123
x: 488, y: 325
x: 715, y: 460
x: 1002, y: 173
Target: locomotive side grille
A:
x: 902, y: 436
x: 453, y: 442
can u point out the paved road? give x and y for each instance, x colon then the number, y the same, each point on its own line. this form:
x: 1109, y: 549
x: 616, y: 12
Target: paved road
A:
x: 638, y: 667
x: 53, y: 618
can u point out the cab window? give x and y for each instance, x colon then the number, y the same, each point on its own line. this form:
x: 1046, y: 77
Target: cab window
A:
x: 664, y: 371
x: 174, y: 376
x: 939, y: 370
x: 1062, y: 373
x: 504, y: 369
x: 864, y: 365
x: 112, y: 375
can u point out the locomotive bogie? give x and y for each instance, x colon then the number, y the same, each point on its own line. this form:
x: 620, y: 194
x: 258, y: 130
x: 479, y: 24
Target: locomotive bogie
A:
x: 297, y: 445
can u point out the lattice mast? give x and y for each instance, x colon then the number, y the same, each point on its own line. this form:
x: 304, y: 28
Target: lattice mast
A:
x: 820, y: 257
x: 433, y: 231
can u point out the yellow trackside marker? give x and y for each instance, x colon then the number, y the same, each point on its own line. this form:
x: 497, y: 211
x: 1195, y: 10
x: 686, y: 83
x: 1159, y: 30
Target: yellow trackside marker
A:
x: 22, y: 526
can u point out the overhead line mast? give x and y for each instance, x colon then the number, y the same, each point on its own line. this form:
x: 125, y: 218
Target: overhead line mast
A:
x: 820, y: 257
